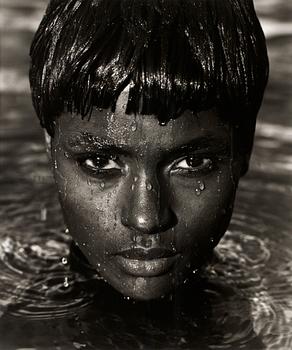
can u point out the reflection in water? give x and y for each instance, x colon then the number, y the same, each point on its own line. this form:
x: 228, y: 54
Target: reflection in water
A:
x: 241, y: 300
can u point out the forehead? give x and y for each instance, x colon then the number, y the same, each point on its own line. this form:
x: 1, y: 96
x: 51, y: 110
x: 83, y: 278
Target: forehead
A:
x: 142, y: 130
x: 139, y: 130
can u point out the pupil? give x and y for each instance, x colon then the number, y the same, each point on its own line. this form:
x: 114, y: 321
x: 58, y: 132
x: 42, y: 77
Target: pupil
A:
x: 193, y: 162
x: 100, y: 162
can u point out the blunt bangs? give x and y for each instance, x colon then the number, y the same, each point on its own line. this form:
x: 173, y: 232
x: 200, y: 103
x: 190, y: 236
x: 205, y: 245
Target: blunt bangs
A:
x: 174, y: 55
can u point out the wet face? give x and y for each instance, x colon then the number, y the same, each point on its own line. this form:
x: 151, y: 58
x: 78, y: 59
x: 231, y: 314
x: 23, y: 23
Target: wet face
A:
x: 146, y: 203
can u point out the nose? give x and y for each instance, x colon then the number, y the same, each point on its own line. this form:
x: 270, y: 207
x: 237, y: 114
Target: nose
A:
x: 147, y: 208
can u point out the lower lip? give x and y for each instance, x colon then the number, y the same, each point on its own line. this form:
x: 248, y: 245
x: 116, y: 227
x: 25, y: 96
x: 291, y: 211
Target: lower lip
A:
x: 146, y: 268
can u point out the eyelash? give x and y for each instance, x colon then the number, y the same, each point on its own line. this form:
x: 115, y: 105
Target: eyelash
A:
x: 207, y: 165
x: 101, y: 170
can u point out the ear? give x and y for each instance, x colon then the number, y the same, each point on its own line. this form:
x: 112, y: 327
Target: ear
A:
x: 48, y: 143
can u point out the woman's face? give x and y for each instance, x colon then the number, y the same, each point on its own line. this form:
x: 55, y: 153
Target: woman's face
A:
x: 146, y: 203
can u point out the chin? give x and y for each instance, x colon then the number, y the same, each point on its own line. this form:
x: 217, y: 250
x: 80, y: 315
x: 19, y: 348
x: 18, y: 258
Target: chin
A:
x: 145, y: 288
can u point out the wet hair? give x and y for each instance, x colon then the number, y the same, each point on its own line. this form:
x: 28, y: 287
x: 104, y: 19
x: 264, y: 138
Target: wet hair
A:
x: 174, y: 54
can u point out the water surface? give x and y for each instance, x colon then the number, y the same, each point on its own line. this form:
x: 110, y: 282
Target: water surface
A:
x: 245, y: 297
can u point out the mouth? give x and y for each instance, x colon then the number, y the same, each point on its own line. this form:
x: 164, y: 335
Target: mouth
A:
x: 146, y: 262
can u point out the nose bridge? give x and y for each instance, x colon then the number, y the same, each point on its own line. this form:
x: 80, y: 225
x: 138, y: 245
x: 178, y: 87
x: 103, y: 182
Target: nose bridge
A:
x: 147, y: 207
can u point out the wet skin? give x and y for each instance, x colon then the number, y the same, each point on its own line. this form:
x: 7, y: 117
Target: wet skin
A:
x: 145, y: 203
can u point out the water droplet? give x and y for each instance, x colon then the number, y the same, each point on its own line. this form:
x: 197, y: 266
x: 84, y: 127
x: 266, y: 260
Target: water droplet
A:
x: 67, y: 230
x: 66, y: 154
x: 79, y: 346
x: 100, y: 109
x: 43, y: 214
x: 198, y: 191
x: 64, y: 261
x: 102, y: 185
x: 132, y: 187
x: 149, y: 187
x: 195, y: 271
x: 201, y: 185
x: 135, y: 179
x: 112, y: 117
x: 162, y: 123
x: 134, y: 127
x: 183, y: 340
x: 66, y: 283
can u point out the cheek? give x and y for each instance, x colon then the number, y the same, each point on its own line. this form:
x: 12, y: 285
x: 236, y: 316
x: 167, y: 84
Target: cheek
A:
x: 203, y: 207
x: 90, y: 211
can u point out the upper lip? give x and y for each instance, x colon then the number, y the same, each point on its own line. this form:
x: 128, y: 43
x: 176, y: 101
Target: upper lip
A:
x: 147, y: 254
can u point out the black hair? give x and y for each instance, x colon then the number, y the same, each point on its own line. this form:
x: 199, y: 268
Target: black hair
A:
x: 175, y: 54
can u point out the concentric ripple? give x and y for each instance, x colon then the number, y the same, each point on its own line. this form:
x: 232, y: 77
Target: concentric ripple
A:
x: 35, y: 281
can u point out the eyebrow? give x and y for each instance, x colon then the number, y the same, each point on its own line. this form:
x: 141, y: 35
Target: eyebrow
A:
x: 202, y: 143
x: 91, y: 143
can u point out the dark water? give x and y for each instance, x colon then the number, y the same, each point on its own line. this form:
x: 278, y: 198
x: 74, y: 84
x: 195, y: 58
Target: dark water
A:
x: 245, y: 298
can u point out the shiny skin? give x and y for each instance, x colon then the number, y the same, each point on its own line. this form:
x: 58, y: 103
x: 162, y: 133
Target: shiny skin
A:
x: 147, y: 201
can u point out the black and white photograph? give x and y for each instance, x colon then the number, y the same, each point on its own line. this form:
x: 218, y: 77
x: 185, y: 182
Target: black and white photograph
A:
x: 145, y: 174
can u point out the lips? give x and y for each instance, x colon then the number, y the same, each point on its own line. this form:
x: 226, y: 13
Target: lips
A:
x: 147, y: 254
x: 146, y: 262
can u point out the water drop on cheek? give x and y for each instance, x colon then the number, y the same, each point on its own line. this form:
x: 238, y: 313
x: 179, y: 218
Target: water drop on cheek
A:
x: 201, y: 185
x: 149, y: 187
x: 198, y: 192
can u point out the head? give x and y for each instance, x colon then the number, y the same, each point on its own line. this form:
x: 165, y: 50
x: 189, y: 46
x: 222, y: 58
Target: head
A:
x: 149, y: 109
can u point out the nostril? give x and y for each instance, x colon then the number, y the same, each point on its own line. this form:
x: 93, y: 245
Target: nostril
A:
x: 149, y: 223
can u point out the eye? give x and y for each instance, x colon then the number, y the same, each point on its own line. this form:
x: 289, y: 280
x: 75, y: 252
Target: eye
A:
x: 99, y: 165
x: 194, y: 164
